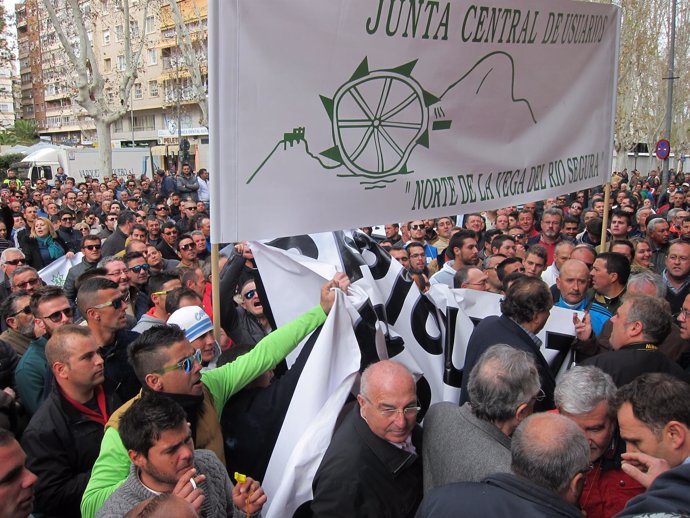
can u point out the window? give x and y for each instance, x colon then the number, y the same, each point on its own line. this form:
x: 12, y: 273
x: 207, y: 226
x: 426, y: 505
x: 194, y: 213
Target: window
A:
x: 152, y: 56
x: 121, y: 62
x: 107, y: 64
x: 144, y: 122
x: 106, y: 37
x: 134, y: 29
x: 150, y: 24
x: 153, y: 88
x: 117, y: 126
x: 138, y: 92
x: 4, y: 107
x: 119, y: 32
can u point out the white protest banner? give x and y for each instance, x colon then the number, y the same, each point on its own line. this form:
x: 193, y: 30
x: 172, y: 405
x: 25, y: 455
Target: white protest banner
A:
x: 56, y: 272
x: 343, y: 113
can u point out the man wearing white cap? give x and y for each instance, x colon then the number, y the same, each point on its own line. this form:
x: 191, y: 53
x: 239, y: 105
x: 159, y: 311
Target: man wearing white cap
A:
x: 198, y: 329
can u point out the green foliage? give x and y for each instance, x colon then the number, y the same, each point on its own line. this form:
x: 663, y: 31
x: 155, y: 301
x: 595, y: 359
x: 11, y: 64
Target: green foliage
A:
x: 25, y: 132
x: 7, y: 160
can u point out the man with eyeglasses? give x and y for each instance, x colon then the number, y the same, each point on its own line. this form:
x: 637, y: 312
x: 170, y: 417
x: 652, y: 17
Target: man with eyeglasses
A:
x: 187, y: 252
x: 470, y: 442
x: 165, y: 362
x: 117, y: 240
x: 104, y: 307
x: 25, y: 278
x: 138, y: 274
x: 168, y: 245
x: 16, y: 312
x: 51, y: 310
x: 10, y: 260
x: 64, y: 436
x: 373, y: 466
x: 91, y: 250
x: 109, y: 222
x: 160, y: 284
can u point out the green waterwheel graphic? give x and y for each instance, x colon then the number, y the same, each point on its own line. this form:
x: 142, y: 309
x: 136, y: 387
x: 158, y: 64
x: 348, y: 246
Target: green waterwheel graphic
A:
x: 377, y: 119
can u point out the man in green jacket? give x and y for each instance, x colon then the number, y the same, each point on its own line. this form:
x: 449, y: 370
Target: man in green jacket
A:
x: 165, y: 362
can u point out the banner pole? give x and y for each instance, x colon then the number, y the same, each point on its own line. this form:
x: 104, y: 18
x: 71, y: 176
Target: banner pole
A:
x: 215, y: 290
x: 605, y: 219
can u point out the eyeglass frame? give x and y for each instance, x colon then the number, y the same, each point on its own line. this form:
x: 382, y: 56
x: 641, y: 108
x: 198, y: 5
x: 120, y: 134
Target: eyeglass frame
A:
x: 137, y: 269
x: 409, y: 411
x: 189, y: 360
x: 56, y: 316
x: 26, y: 310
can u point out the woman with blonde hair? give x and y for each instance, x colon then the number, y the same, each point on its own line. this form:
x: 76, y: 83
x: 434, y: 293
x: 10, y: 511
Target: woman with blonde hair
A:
x: 43, y: 245
x: 643, y: 255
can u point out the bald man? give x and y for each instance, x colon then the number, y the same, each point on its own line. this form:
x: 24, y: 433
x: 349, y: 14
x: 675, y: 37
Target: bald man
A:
x: 373, y: 466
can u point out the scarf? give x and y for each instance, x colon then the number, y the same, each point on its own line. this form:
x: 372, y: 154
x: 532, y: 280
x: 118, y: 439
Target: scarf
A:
x: 54, y: 249
x: 193, y: 406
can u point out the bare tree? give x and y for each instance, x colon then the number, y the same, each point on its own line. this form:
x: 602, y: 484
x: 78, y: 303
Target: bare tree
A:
x: 73, y: 25
x: 195, y: 57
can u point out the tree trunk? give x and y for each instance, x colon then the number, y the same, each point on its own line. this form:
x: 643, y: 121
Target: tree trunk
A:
x: 105, y: 153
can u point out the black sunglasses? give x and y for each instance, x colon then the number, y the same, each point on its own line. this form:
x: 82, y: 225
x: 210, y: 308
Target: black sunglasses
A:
x: 26, y: 310
x: 139, y: 267
x: 57, y: 316
x: 92, y: 247
x: 250, y: 294
x: 15, y: 262
x: 186, y: 247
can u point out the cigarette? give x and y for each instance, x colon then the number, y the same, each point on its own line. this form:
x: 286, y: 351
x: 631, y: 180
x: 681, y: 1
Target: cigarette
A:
x: 193, y: 483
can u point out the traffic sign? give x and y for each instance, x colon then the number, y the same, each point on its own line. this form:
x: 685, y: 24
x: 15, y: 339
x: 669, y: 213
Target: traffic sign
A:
x: 663, y: 149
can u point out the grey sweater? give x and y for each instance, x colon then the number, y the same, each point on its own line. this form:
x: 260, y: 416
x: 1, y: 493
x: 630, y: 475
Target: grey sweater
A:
x: 217, y: 491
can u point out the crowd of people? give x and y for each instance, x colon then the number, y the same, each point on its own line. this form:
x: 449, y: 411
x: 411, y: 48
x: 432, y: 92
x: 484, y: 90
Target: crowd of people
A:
x: 117, y: 400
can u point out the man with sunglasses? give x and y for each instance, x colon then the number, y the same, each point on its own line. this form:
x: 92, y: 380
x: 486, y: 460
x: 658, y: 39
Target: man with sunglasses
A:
x: 25, y: 278
x: 10, y: 259
x: 91, y: 250
x: 168, y: 245
x: 166, y: 362
x: 373, y: 466
x: 63, y: 438
x: 160, y: 284
x: 66, y: 231
x: 16, y: 313
x: 103, y: 306
x: 138, y: 274
x: 187, y: 252
x: 116, y: 242
x: 109, y: 222
x: 51, y: 310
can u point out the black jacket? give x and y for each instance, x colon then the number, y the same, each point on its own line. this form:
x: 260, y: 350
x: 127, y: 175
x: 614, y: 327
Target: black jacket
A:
x: 497, y: 496
x: 502, y: 330
x: 631, y: 361
x: 252, y: 418
x: 667, y: 494
x: 365, y: 476
x: 61, y: 447
x: 167, y: 251
x: 119, y: 374
x: 32, y: 251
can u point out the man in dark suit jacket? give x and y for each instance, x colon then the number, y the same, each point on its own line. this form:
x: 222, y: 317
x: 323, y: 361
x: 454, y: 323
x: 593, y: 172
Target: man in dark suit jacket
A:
x: 525, y: 310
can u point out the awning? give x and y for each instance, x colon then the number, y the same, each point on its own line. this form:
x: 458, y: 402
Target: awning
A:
x: 165, y: 150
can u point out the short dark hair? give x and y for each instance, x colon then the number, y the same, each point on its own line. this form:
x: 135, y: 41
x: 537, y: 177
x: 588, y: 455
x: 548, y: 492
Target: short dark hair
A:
x: 498, y: 241
x: 146, y: 353
x: 172, y: 301
x: 88, y: 289
x: 125, y: 217
x: 501, y: 267
x: 618, y: 264
x: 622, y: 214
x: 183, y: 236
x: 143, y: 423
x: 129, y: 256
x: 525, y: 299
x: 158, y: 279
x: 44, y: 294
x: 459, y: 238
x: 539, y: 251
x: 89, y: 238
x: 656, y: 399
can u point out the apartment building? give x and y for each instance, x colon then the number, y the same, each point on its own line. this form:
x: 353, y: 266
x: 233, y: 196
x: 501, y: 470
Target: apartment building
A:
x: 161, y: 99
